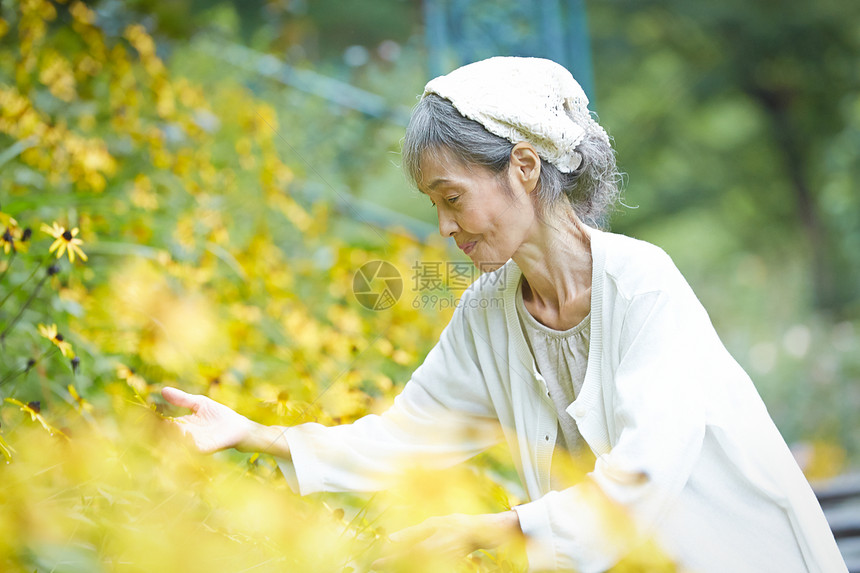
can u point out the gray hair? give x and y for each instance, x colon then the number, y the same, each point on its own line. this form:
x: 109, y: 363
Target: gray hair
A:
x: 437, y: 127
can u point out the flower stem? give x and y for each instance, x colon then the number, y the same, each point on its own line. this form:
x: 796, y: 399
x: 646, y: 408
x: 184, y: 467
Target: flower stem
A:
x: 23, y: 308
x: 12, y: 375
x: 14, y: 290
x: 6, y: 270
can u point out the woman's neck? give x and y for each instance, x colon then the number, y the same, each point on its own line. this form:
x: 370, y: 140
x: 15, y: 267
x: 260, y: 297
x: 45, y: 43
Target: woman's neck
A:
x: 556, y: 263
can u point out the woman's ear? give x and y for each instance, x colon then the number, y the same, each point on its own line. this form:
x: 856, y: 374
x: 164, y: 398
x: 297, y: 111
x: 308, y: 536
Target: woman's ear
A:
x: 526, y: 165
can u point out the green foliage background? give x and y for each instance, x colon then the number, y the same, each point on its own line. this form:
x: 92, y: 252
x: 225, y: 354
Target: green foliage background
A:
x: 225, y: 214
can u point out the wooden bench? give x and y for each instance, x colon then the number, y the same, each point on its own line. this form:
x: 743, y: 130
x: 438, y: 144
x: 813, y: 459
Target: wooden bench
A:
x: 840, y: 500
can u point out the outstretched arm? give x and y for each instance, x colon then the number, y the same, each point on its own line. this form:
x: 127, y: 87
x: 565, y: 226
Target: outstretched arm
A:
x: 212, y: 427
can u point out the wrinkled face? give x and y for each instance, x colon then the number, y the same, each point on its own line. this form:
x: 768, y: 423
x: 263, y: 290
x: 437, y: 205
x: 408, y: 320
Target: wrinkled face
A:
x: 474, y: 209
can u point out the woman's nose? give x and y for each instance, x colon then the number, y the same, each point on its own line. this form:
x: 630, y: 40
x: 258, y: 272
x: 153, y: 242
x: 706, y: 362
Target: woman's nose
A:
x: 447, y: 225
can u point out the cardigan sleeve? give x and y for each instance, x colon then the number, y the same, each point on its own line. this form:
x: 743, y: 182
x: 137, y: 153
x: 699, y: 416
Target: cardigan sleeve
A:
x: 655, y: 403
x: 442, y: 417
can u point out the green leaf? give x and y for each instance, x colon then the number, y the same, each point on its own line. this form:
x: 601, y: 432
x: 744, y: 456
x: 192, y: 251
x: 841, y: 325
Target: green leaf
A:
x: 16, y: 149
x: 6, y: 450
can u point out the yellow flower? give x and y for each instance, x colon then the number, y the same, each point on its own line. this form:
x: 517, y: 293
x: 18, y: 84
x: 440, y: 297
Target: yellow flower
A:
x: 133, y: 379
x: 64, y: 346
x: 50, y: 332
x: 8, y: 241
x: 81, y: 404
x: 33, y: 409
x: 7, y: 220
x: 14, y: 238
x: 65, y: 241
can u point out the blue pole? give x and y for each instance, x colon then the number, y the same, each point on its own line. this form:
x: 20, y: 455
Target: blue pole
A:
x: 552, y: 31
x: 579, y: 46
x: 436, y: 36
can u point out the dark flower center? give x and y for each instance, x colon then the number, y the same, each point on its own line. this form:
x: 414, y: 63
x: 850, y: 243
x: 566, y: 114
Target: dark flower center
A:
x: 67, y: 235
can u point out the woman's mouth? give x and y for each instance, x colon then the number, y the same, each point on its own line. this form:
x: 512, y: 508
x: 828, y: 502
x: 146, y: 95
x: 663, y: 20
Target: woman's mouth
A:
x: 467, y: 247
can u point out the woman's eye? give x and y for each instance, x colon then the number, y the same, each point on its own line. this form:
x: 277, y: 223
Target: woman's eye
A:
x: 453, y: 199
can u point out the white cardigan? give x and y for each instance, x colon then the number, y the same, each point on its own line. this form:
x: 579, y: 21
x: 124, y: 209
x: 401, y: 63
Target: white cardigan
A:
x: 674, y: 421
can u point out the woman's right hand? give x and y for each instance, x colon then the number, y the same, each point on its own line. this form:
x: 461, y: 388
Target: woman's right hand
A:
x: 211, y: 426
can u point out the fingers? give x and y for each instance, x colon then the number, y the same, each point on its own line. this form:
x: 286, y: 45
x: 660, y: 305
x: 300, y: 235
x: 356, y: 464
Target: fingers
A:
x: 412, y: 534
x: 406, y: 555
x: 383, y: 564
x: 179, y: 398
x: 405, y: 542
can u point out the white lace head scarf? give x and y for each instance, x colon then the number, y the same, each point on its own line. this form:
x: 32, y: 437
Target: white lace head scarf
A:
x: 523, y: 99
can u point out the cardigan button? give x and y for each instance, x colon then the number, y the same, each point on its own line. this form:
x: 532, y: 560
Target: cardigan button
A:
x: 580, y: 411
x: 546, y: 437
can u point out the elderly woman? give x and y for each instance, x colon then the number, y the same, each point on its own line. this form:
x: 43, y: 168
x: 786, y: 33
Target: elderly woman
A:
x: 575, y: 340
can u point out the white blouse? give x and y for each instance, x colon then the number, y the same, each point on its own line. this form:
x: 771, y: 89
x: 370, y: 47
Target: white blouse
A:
x: 561, y: 357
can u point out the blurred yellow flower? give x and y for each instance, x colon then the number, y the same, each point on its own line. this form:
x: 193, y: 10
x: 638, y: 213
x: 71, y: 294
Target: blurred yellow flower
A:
x: 50, y: 332
x: 7, y: 241
x: 133, y: 379
x: 142, y: 194
x: 58, y: 76
x: 65, y: 241
x: 4, y: 218
x: 33, y: 409
x: 14, y: 238
x: 80, y: 404
x: 81, y: 13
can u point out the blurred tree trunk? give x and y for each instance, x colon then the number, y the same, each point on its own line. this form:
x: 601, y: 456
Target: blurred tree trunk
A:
x: 796, y: 162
